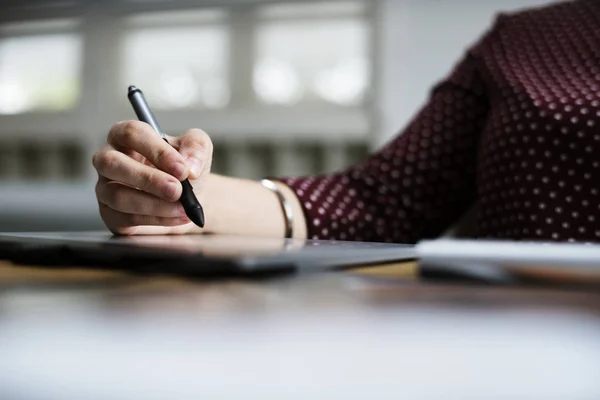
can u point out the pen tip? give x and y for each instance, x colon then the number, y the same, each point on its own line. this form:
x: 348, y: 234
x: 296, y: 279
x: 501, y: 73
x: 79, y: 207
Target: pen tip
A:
x: 196, y: 215
x: 132, y: 88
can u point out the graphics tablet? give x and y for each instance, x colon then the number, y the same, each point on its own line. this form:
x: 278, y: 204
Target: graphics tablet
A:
x: 194, y: 254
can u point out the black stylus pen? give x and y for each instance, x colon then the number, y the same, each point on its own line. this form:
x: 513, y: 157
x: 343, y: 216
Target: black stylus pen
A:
x: 188, y: 199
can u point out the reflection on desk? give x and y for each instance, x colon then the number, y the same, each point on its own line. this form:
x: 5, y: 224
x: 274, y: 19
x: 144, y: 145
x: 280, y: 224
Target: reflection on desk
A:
x: 93, y: 335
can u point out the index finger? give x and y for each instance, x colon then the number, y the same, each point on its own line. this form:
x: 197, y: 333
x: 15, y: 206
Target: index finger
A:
x: 140, y: 137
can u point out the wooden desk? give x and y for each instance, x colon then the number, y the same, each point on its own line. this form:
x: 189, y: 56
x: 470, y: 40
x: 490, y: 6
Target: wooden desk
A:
x: 377, y: 286
x: 377, y: 332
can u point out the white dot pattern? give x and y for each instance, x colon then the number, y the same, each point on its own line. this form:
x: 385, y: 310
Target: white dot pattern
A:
x: 514, y: 126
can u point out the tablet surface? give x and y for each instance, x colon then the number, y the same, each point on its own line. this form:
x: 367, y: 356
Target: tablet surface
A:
x: 194, y: 254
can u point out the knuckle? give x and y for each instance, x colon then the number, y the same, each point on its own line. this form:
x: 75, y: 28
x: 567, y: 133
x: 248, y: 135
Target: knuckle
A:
x: 145, y: 180
x: 148, y: 181
x: 105, y: 161
x: 164, y: 156
x: 129, y: 132
x: 98, y: 157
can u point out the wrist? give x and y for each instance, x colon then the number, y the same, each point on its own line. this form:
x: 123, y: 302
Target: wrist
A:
x: 245, y: 207
x: 235, y: 206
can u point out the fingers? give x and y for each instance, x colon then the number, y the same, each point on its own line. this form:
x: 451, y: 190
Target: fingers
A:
x: 121, y: 223
x: 132, y: 201
x: 196, y: 148
x: 140, y: 177
x: 138, y: 136
x: 128, y: 211
x: 116, y: 166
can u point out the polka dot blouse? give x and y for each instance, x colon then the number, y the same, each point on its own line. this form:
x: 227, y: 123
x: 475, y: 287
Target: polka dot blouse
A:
x: 515, y: 128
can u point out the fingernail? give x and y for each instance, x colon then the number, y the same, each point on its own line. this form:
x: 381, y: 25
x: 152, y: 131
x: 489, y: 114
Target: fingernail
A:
x: 179, y: 169
x: 195, y: 166
x: 180, y: 209
x: 170, y: 190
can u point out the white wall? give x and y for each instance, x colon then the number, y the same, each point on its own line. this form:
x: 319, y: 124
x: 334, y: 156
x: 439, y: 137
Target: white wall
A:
x: 420, y: 42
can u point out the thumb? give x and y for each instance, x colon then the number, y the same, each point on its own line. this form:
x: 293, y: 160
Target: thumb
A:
x: 196, y: 148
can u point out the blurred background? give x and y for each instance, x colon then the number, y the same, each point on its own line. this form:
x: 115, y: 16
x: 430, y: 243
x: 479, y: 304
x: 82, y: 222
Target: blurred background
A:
x: 282, y: 87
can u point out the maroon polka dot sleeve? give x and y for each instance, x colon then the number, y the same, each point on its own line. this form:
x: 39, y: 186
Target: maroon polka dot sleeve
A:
x: 514, y: 129
x: 417, y: 184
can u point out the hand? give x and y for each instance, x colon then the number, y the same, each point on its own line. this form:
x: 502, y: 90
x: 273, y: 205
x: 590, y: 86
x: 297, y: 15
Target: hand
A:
x: 139, y: 178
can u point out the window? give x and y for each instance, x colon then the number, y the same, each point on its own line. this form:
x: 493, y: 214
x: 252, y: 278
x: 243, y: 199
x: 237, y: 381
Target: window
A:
x: 312, y: 52
x: 279, y: 86
x: 179, y: 59
x: 38, y: 72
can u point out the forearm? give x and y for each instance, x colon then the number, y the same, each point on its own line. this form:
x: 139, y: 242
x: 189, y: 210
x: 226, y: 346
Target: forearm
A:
x: 245, y: 207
